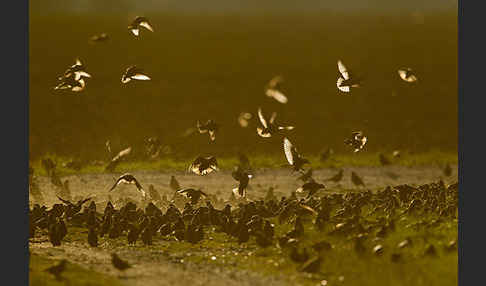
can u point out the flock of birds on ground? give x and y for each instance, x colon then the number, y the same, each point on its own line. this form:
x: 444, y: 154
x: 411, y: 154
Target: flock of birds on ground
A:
x: 338, y: 214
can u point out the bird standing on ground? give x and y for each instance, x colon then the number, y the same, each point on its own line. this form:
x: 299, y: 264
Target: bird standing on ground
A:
x: 269, y: 127
x: 135, y: 73
x: 57, y: 269
x: 204, y: 165
x: 242, y: 176
x: 128, y: 179
x: 174, y: 184
x: 357, y: 141
x: 209, y: 127
x: 293, y: 157
x: 138, y: 22
x: 346, y: 81
x: 357, y: 181
x: 273, y: 90
x: 311, y: 187
x: 192, y: 194
x: 118, y: 263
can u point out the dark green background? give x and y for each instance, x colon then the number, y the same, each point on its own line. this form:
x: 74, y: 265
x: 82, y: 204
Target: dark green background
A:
x: 215, y: 65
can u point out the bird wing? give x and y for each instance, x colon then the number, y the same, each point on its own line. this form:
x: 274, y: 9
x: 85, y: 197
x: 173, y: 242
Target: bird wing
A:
x: 342, y: 69
x: 262, y: 119
x: 122, y: 153
x: 286, y: 127
x: 134, y: 31
x: 201, y: 128
x: 288, y: 151
x: 140, y: 76
x: 272, y: 118
x: 64, y: 201
x: 146, y: 25
x: 212, y: 135
x: 277, y: 95
x: 264, y: 135
x: 340, y: 80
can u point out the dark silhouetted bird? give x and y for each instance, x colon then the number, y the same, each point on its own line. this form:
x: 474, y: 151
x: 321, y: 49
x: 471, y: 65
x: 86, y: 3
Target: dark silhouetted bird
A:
x: 58, y: 269
x: 269, y: 127
x: 209, y: 127
x: 273, y: 90
x: 174, y: 184
x: 93, y: 237
x: 118, y: 263
x: 311, y: 187
x: 356, y: 179
x: 193, y: 194
x: 336, y: 178
x: 357, y: 141
x: 243, y: 119
x: 243, y: 177
x: 128, y: 179
x: 346, y: 80
x: 204, y: 165
x: 138, y: 22
x: 293, y: 157
x: 134, y: 73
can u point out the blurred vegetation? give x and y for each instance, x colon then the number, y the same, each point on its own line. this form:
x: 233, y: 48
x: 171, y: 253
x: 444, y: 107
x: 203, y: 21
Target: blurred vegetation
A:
x: 216, y: 66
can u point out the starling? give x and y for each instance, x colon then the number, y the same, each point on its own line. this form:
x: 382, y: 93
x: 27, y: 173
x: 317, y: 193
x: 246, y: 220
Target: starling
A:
x: 273, y: 89
x: 407, y: 75
x: 118, y: 263
x: 128, y: 179
x: 209, y: 127
x: 244, y: 178
x: 138, y: 22
x: 312, y: 187
x: 134, y: 73
x: 357, y: 181
x: 346, y: 81
x: 93, y: 237
x: 204, y: 165
x: 293, y: 157
x: 269, y: 127
x: 57, y: 269
x: 174, y: 184
x: 357, y: 141
x: 193, y: 194
x: 336, y: 178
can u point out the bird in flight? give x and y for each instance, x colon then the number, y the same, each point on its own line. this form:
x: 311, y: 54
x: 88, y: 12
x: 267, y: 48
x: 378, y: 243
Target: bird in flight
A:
x: 243, y: 119
x: 138, y: 22
x: 345, y: 80
x: 209, y: 127
x: 269, y: 127
x: 357, y: 141
x: 118, y: 158
x: 273, y: 90
x: 77, y: 71
x: 134, y: 73
x: 204, y: 165
x: 407, y: 75
x: 128, y: 179
x: 293, y: 157
x: 103, y: 37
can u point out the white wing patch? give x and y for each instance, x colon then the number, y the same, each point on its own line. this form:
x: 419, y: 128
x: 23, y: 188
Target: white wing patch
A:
x: 288, y: 151
x: 277, y: 95
x: 262, y: 119
x: 147, y: 26
x: 342, y: 88
x: 342, y: 69
x: 264, y: 135
x: 135, y: 31
x: 140, y: 76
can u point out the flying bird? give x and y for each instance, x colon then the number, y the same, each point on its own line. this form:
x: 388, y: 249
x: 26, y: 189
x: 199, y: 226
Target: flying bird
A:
x: 128, y: 179
x: 407, y: 75
x: 293, y: 157
x: 269, y: 127
x: 204, y: 165
x: 243, y: 119
x: 77, y: 71
x: 134, y: 73
x: 357, y: 141
x: 345, y: 80
x: 103, y: 37
x: 209, y: 127
x: 72, y: 84
x: 273, y: 90
x: 138, y: 22
x: 118, y: 158
x: 192, y: 194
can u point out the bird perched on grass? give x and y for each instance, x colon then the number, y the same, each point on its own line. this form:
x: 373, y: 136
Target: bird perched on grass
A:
x: 204, y: 165
x: 128, y: 179
x: 243, y: 177
x: 138, y: 22
x: 192, y: 194
x: 336, y: 178
x: 209, y: 127
x: 345, y: 80
x: 293, y: 157
x: 311, y: 187
x: 273, y: 90
x: 407, y: 75
x: 269, y: 127
x: 357, y: 141
x: 118, y: 263
x: 57, y: 269
x: 357, y: 181
x: 134, y: 73
x: 117, y: 159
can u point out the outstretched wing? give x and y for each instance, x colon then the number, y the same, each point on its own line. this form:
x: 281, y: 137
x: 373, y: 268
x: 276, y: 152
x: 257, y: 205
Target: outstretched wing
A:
x: 140, y: 76
x: 262, y: 119
x: 342, y: 69
x: 345, y: 88
x: 146, y: 25
x: 277, y: 95
x: 288, y: 151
